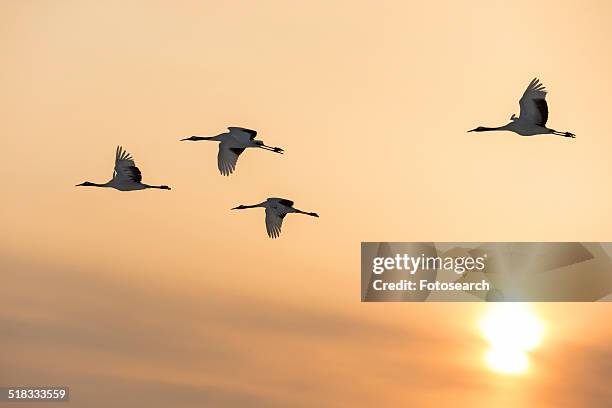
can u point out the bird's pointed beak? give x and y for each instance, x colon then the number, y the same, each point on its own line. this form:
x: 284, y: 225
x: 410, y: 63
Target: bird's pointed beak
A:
x: 78, y: 185
x: 187, y: 138
x: 235, y: 208
x: 473, y: 130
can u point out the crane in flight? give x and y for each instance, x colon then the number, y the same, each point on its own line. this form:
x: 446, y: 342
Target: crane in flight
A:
x: 533, y: 116
x: 126, y: 176
x: 233, y: 143
x: 276, y: 209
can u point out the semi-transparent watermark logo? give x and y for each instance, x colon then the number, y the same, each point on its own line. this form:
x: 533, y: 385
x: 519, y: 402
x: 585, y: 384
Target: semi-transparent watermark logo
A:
x: 496, y: 271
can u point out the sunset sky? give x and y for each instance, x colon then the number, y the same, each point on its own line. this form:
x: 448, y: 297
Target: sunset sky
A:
x: 167, y: 298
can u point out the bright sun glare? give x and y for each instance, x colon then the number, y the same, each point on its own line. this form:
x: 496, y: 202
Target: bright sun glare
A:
x: 512, y: 330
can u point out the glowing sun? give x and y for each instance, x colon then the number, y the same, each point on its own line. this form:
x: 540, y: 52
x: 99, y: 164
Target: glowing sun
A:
x: 512, y: 330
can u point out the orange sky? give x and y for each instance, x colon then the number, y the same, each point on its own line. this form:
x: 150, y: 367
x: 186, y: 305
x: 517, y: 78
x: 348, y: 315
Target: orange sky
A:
x: 168, y: 298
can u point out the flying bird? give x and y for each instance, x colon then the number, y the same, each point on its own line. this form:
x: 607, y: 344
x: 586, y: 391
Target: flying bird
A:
x: 232, y: 145
x: 126, y: 176
x: 533, y: 116
x: 276, y: 209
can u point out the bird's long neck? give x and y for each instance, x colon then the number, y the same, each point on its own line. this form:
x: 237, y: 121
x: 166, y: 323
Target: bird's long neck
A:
x: 251, y: 206
x: 90, y: 184
x: 489, y: 129
x: 214, y: 138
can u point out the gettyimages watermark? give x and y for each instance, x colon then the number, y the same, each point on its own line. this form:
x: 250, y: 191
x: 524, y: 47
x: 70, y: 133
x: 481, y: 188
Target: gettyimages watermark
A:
x: 492, y: 272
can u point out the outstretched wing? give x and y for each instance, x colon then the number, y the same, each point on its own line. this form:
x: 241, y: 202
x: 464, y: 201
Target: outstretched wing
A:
x: 274, y: 222
x: 242, y: 134
x: 534, y: 108
x: 281, y: 201
x: 125, y: 168
x: 286, y: 202
x: 227, y: 158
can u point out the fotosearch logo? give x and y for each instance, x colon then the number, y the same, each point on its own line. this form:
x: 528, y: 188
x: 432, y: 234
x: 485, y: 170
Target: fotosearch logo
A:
x: 486, y: 271
x: 412, y: 264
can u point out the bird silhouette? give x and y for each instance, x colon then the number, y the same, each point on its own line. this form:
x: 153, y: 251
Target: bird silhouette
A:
x: 126, y: 176
x: 233, y: 143
x: 276, y: 209
x: 533, y: 116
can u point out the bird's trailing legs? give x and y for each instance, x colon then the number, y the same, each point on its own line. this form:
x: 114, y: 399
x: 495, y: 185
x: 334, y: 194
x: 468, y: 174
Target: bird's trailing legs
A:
x: 164, y: 187
x: 272, y: 149
x: 312, y: 214
x: 261, y: 144
x: 564, y: 134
